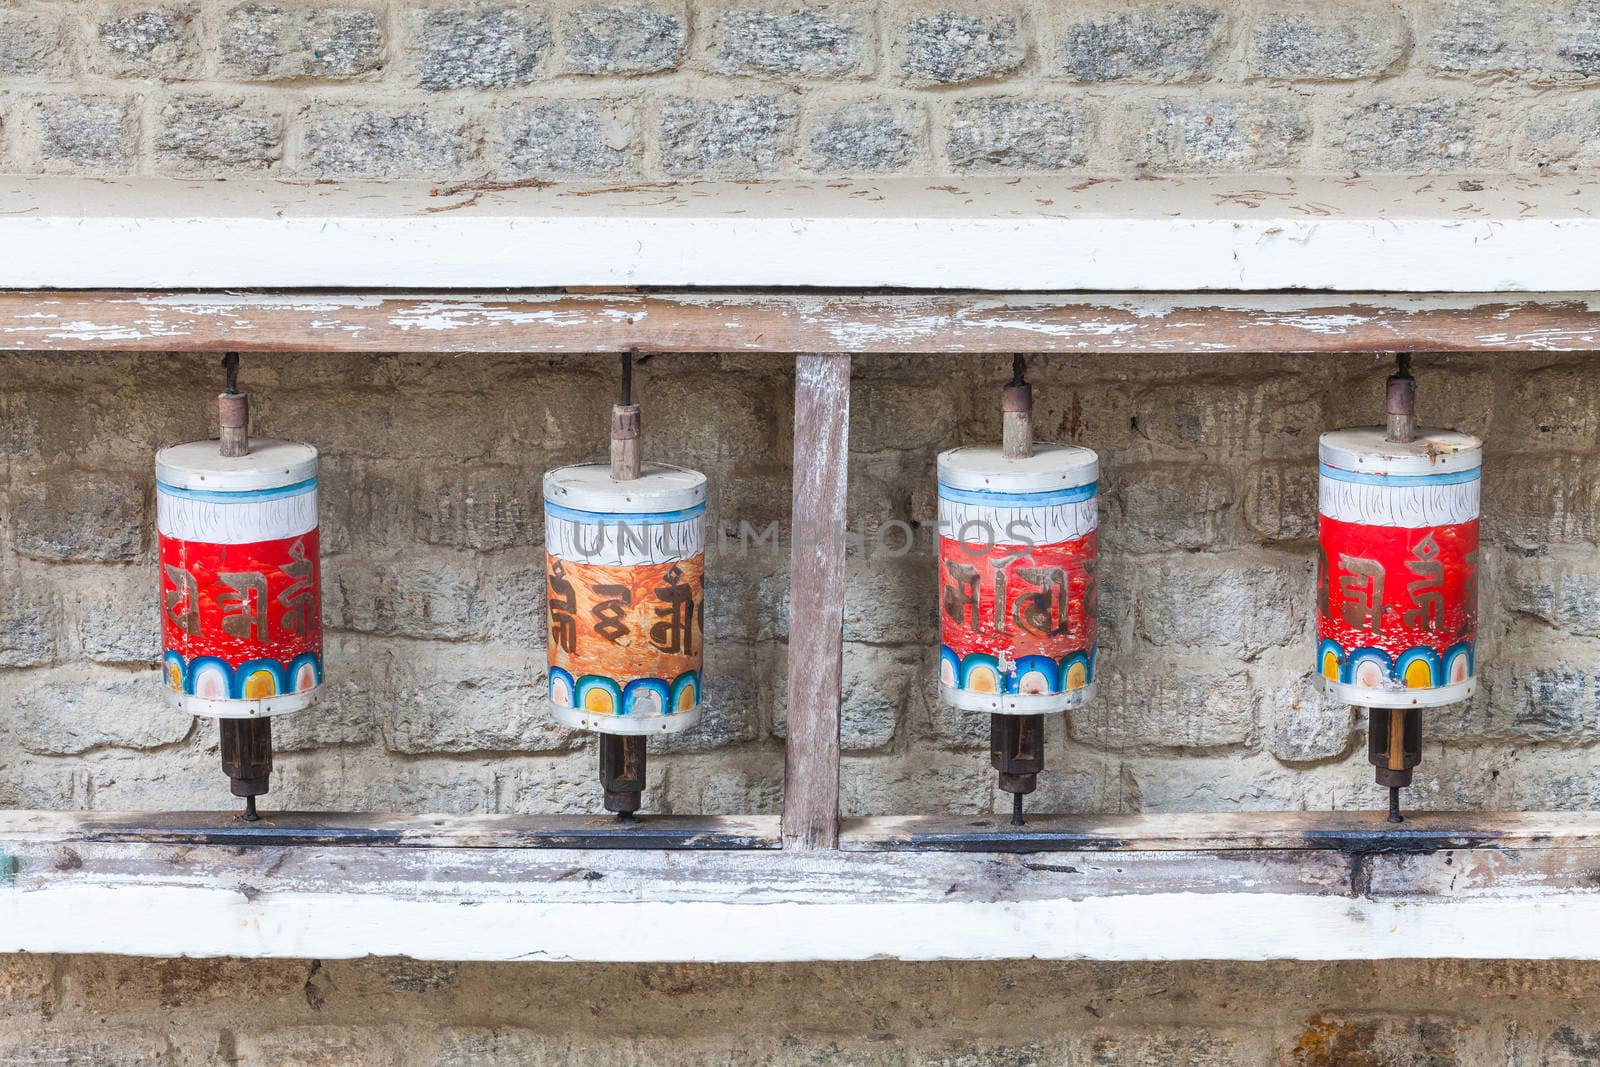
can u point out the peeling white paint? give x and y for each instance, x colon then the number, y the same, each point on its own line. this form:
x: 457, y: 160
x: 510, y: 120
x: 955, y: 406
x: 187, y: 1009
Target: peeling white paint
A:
x: 1248, y: 233
x: 167, y: 920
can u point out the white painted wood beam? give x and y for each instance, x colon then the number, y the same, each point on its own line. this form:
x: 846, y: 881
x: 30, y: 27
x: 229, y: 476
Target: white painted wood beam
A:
x: 1242, y: 233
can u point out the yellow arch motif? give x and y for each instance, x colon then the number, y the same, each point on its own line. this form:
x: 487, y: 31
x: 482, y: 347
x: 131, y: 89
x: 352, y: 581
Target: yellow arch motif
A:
x: 260, y: 685
x: 1419, y: 675
x: 983, y: 680
x: 1077, y: 677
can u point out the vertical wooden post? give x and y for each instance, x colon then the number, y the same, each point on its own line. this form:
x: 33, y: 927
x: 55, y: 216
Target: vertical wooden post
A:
x: 816, y: 601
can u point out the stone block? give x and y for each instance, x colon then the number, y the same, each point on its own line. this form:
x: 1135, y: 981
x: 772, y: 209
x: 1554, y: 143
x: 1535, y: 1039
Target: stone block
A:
x: 439, y: 598
x: 477, y: 46
x: 561, y: 138
x: 1320, y: 43
x: 1165, y: 704
x: 623, y: 38
x: 1233, y: 607
x: 1416, y: 1040
x: 733, y: 136
x: 81, y: 134
x: 1199, y: 134
x: 1564, y: 136
x: 1168, y: 507
x: 793, y: 40
x: 867, y: 136
x: 109, y: 614
x: 1280, y: 500
x: 140, y: 41
x: 204, y: 135
x: 1041, y: 133
x: 1405, y: 136
x: 358, y: 141
x: 1157, y: 43
x: 81, y: 516
x: 1304, y: 725
x: 33, y: 42
x: 1541, y: 500
x: 30, y: 621
x: 67, y: 711
x: 959, y: 45
x: 273, y: 42
x: 1563, y: 592
x: 441, y: 698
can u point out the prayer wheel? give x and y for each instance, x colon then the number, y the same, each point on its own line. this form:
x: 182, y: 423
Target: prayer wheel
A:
x: 1017, y: 544
x: 1397, y: 573
x: 625, y: 581
x: 241, y: 621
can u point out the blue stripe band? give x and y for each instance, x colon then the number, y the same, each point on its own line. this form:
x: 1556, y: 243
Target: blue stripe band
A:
x: 1018, y: 500
x: 643, y: 518
x: 241, y: 497
x: 1362, y: 478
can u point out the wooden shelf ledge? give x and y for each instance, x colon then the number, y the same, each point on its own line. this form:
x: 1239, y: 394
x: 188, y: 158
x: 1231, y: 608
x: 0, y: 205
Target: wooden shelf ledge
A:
x: 1486, y: 233
x: 88, y: 884
x: 711, y: 322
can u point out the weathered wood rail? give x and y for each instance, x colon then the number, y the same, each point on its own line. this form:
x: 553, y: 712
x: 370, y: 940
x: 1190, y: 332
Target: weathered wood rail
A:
x: 1320, y: 885
x: 838, y: 322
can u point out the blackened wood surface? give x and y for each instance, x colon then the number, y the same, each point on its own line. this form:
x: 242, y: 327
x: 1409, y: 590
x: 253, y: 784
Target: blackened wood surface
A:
x: 1346, y: 831
x: 391, y: 830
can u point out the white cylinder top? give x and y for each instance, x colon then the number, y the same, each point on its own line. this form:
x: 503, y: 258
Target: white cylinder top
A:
x: 270, y: 464
x: 1366, y: 450
x: 1050, y: 467
x: 659, y: 489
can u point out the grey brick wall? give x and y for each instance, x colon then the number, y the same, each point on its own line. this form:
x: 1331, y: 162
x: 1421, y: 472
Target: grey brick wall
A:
x: 432, y: 533
x: 454, y: 89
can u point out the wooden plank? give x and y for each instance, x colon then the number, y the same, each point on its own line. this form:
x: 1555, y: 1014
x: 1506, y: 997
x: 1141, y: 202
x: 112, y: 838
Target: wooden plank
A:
x: 1349, y: 831
x: 1331, y: 831
x: 1241, y: 232
x: 712, y: 322
x: 816, y: 601
x: 279, y: 829
x: 316, y: 901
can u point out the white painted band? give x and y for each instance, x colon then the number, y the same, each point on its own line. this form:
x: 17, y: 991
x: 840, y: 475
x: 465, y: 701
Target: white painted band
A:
x: 209, y: 708
x: 241, y: 522
x: 759, y: 922
x: 1365, y: 697
x: 627, y: 725
x: 1409, y: 506
x: 982, y: 524
x: 623, y: 543
x: 1016, y: 703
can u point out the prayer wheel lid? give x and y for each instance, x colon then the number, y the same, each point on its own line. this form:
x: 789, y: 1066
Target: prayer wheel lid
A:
x: 1367, y: 450
x: 269, y: 465
x: 1050, y: 467
x: 659, y: 488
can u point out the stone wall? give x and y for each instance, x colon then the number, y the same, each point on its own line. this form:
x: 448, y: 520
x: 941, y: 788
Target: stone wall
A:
x: 433, y: 584
x: 382, y: 1013
x: 655, y: 88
